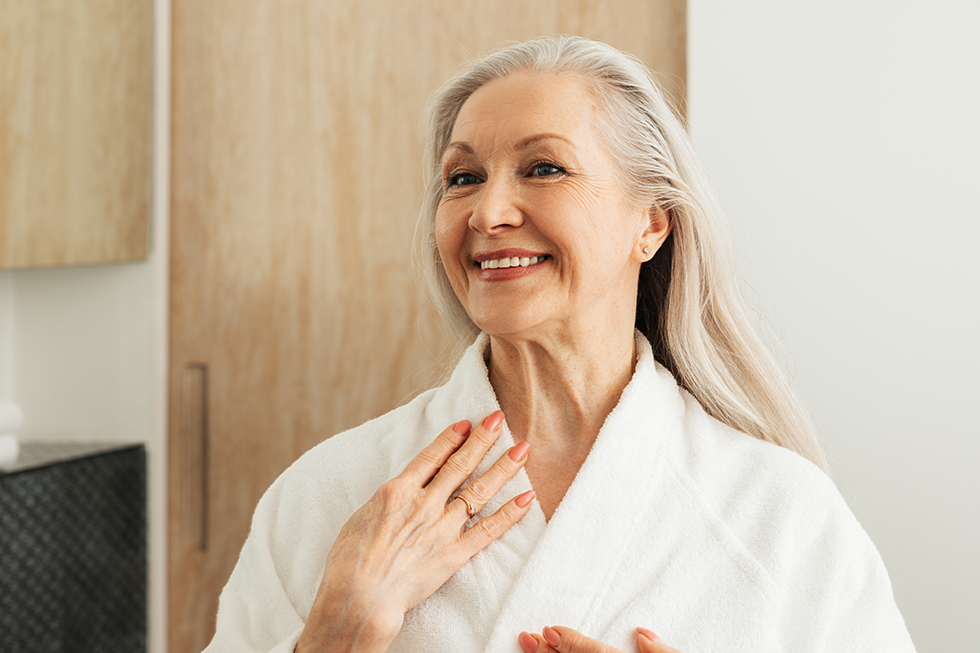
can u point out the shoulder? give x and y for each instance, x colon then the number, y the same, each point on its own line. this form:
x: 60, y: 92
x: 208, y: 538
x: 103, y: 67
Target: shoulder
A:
x: 333, y: 479
x: 344, y: 470
x: 774, y: 502
x: 301, y: 513
x: 786, y: 514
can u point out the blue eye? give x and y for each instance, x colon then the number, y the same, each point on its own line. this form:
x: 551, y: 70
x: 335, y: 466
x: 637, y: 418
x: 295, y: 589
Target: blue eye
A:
x: 545, y: 170
x: 463, y: 179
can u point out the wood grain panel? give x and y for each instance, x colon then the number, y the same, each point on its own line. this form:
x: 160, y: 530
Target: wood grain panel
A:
x: 76, y: 101
x: 295, y: 187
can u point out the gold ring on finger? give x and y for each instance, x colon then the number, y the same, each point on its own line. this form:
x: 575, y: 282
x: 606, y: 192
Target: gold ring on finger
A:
x: 470, y: 510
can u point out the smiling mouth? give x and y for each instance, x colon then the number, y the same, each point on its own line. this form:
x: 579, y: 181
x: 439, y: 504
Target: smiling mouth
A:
x: 511, y: 262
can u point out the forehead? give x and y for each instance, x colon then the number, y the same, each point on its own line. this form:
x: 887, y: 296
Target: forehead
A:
x: 524, y: 103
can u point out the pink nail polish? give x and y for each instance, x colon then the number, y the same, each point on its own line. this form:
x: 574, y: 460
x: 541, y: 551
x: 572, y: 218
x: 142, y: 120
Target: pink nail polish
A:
x: 528, y: 643
x: 552, y: 636
x: 649, y: 634
x: 517, y: 453
x: 493, y: 421
x: 524, y: 499
x: 462, y: 427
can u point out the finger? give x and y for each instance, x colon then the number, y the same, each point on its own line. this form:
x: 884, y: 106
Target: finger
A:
x: 481, y: 489
x: 490, y: 528
x: 649, y: 642
x: 541, y: 644
x: 427, y: 462
x: 529, y: 643
x: 566, y: 640
x: 461, y: 464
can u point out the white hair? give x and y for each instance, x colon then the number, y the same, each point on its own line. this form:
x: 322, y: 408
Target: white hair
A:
x: 689, y: 305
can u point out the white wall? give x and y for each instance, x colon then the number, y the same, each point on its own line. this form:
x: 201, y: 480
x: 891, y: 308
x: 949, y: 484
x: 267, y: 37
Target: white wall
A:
x: 83, y: 350
x: 843, y: 136
x: 7, y: 308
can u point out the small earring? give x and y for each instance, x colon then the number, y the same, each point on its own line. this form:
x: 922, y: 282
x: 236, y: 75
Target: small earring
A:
x: 646, y: 250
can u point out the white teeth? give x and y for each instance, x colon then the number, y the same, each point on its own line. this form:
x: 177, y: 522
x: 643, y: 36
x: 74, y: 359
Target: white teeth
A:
x: 511, y: 262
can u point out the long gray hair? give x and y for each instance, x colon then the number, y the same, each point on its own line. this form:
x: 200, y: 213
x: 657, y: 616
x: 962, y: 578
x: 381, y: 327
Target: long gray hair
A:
x: 688, y: 305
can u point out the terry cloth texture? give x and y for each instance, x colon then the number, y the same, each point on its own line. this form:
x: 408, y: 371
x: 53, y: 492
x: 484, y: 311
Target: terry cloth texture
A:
x: 713, y: 539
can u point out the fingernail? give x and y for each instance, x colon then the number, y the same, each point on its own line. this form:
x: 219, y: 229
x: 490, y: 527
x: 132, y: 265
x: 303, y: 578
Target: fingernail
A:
x: 649, y: 634
x: 551, y: 635
x: 462, y: 427
x: 528, y: 643
x: 493, y: 421
x: 517, y: 453
x: 524, y: 499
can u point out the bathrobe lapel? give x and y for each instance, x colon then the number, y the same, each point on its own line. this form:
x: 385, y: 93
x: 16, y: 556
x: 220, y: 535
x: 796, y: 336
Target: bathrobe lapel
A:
x: 573, y: 558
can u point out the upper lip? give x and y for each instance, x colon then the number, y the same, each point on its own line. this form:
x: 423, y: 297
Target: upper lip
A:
x: 510, y: 252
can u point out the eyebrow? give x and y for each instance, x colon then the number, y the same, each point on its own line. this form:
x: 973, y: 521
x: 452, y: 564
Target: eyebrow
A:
x: 522, y: 144
x: 525, y: 143
x: 458, y: 145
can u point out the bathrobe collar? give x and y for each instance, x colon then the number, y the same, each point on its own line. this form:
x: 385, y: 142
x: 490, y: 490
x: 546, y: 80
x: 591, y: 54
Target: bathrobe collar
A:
x: 568, y: 560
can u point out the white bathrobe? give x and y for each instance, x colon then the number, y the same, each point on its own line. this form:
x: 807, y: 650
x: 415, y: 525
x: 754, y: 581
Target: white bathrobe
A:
x: 718, y: 542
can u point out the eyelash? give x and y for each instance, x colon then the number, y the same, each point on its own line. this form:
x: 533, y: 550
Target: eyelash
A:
x: 558, y: 169
x: 452, y: 181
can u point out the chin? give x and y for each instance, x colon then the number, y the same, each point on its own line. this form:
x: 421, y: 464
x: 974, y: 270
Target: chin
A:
x: 508, y: 318
x: 505, y: 326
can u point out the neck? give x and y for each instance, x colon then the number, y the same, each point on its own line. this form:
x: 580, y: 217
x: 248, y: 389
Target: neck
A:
x: 557, y: 391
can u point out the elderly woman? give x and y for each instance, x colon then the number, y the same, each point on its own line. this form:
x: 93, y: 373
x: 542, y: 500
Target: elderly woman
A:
x: 635, y: 459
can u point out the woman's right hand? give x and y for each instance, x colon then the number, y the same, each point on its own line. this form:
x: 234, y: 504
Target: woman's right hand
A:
x: 408, y: 539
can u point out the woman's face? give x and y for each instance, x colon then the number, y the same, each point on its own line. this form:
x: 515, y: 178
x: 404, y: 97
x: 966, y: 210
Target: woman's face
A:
x: 526, y: 179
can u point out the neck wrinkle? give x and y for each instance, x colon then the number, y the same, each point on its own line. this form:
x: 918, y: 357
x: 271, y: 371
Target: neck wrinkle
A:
x: 558, y: 395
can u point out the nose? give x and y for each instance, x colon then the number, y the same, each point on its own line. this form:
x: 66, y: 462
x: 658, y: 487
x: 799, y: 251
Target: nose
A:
x: 496, y: 208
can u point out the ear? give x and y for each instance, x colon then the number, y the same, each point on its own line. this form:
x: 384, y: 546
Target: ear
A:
x: 653, y: 236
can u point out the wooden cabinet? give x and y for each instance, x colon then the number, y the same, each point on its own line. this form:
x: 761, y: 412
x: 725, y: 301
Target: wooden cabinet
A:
x: 295, y: 186
x: 76, y: 108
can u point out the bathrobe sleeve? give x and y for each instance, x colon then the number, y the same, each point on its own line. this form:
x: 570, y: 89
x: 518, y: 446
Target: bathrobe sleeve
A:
x: 836, y: 594
x: 800, y: 574
x: 265, y: 604
x: 256, y: 613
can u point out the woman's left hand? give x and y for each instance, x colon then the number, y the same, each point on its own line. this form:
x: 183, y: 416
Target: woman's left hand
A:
x: 566, y: 640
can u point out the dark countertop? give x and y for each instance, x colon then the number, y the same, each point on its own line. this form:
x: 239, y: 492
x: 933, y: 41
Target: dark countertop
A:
x: 39, y: 454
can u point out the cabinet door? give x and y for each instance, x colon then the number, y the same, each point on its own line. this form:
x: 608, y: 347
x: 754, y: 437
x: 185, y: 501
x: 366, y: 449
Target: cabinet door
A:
x: 295, y: 186
x: 76, y: 109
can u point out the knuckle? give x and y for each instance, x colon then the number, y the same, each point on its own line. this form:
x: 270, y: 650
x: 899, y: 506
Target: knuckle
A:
x: 484, y: 437
x: 451, y: 438
x: 488, y: 528
x: 478, y: 493
x: 391, y: 491
x: 575, y: 643
x: 458, y: 465
x: 429, y: 458
x: 578, y: 643
x: 503, y: 469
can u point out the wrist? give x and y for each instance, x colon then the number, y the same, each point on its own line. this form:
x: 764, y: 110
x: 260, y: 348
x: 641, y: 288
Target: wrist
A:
x: 347, y: 624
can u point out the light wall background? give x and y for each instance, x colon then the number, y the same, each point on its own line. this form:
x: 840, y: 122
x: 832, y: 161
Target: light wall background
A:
x: 844, y: 138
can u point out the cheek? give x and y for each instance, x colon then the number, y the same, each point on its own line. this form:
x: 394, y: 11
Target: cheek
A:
x: 449, y: 239
x: 597, y: 206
